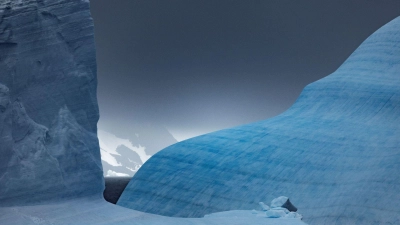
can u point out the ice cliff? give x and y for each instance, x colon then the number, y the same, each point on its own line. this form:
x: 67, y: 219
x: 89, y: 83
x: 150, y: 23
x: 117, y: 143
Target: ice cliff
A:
x: 48, y: 106
x: 335, y: 152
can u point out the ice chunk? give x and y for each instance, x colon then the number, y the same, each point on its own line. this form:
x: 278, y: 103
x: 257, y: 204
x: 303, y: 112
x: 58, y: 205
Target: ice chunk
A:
x: 264, y: 207
x: 283, y: 202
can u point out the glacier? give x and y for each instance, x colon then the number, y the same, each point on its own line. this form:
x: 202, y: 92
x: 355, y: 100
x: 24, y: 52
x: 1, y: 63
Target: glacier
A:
x: 50, y: 163
x: 335, y: 153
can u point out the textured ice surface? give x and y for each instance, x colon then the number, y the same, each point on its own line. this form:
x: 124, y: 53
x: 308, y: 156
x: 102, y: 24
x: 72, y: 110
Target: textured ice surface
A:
x: 48, y: 106
x: 96, y: 212
x: 335, y: 152
x: 50, y: 169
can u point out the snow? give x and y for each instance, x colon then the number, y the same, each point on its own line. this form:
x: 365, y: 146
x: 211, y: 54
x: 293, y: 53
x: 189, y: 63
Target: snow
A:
x: 107, y: 156
x: 119, y: 155
x: 99, y: 212
x: 273, y: 213
x: 109, y: 144
x: 294, y: 215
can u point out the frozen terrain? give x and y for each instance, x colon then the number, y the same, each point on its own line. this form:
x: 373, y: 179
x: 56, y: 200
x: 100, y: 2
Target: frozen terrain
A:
x: 50, y: 165
x: 335, y: 152
x: 99, y: 212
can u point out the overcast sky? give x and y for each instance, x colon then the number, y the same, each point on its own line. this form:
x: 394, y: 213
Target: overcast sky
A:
x: 195, y: 66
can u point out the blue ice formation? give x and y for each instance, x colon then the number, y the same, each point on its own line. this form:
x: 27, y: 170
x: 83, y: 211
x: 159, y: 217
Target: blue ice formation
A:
x: 48, y: 108
x: 50, y: 167
x: 335, y: 153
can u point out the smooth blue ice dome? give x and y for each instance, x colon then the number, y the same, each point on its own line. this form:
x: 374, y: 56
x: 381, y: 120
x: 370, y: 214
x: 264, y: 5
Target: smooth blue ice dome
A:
x: 335, y: 153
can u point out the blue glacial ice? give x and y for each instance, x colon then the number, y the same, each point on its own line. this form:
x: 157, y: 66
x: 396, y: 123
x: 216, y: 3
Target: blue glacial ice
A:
x: 48, y: 105
x: 50, y: 165
x: 335, y: 153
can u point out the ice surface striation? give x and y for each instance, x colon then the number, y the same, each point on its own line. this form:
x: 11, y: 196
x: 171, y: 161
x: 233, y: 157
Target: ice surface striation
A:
x: 48, y: 106
x: 50, y: 166
x: 335, y: 152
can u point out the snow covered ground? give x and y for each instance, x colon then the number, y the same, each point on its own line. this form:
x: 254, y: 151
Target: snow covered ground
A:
x: 99, y: 212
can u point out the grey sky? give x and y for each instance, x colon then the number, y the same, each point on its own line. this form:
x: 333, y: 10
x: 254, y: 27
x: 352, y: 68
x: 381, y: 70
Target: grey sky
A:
x: 196, y: 66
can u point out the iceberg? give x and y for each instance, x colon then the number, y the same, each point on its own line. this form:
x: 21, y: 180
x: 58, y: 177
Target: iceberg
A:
x: 50, y: 163
x: 335, y: 152
x: 48, y: 105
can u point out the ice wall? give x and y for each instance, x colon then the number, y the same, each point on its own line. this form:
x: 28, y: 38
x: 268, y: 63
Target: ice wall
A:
x: 48, y: 107
x: 335, y: 152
